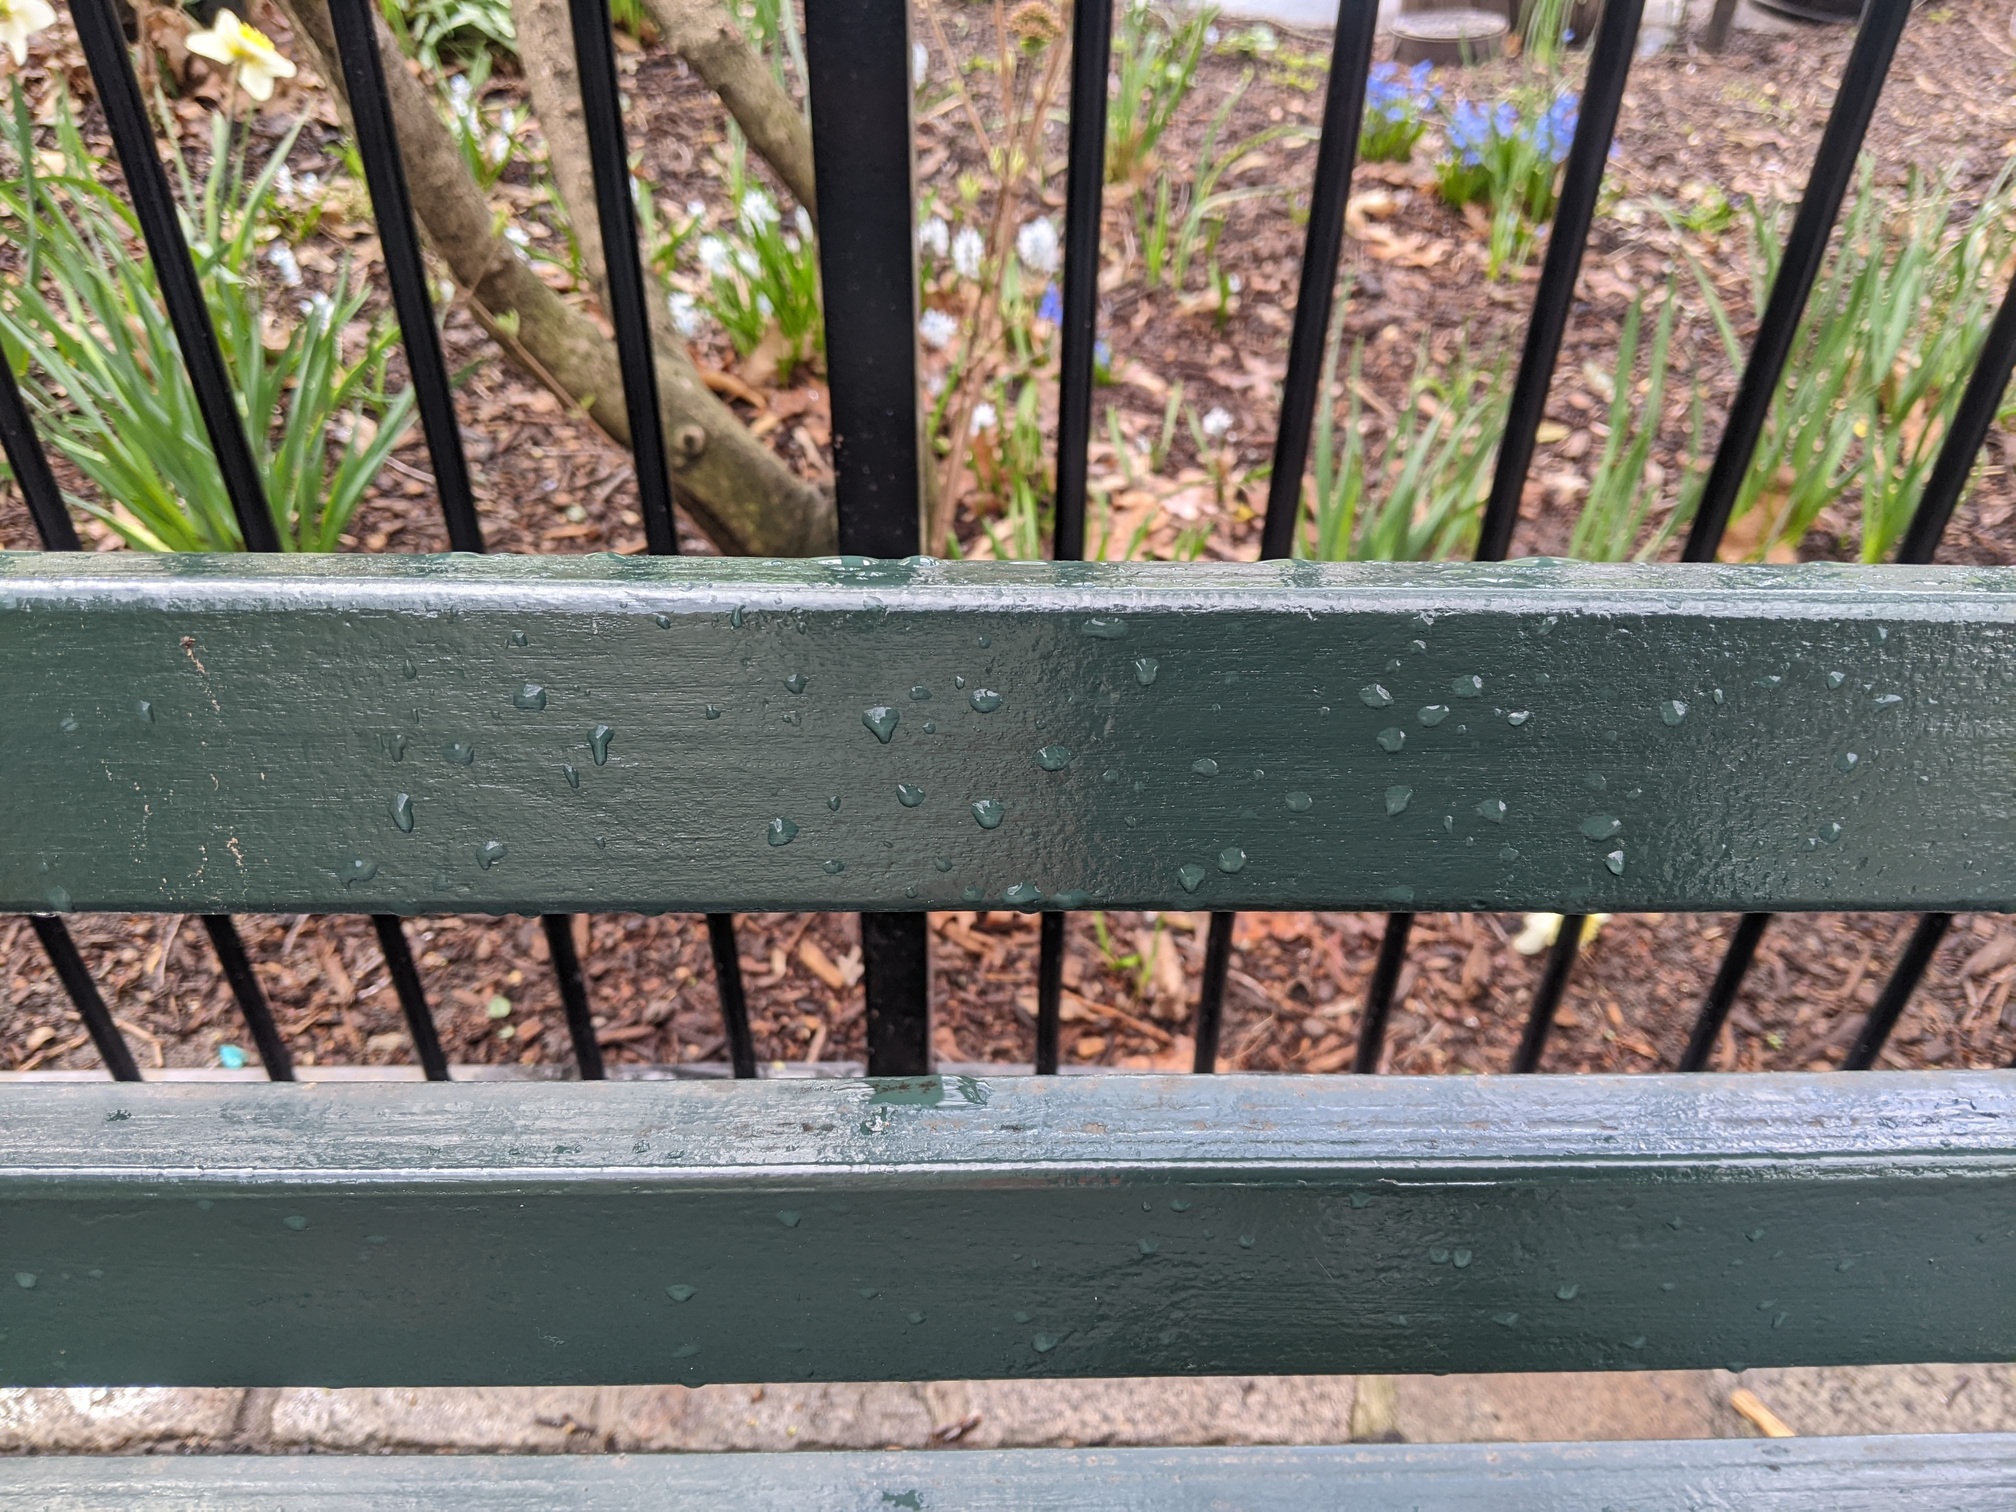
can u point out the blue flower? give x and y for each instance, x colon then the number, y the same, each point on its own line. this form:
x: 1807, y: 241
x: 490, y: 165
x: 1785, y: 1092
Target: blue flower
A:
x: 1554, y: 131
x: 1050, y: 307
x: 1469, y: 133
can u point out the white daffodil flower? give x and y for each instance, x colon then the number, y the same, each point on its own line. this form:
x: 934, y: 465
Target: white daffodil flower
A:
x: 246, y: 48
x: 20, y: 20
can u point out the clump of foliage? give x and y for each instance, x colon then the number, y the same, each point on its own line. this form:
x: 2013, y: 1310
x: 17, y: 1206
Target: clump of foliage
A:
x: 83, y: 327
x: 1398, y: 103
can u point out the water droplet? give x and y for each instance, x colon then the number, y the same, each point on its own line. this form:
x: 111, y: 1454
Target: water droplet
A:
x: 1601, y: 826
x: 1460, y: 1258
x: 1517, y: 718
x: 1469, y: 686
x: 1231, y: 860
x: 958, y: 681
x: 1391, y: 739
x: 1636, y: 1341
x: 1150, y: 1246
x: 1245, y: 1241
x: 1566, y: 1291
x: 518, y: 638
x: 1770, y: 680
x: 1432, y: 714
x: 1043, y: 1343
x: 930, y: 727
x: 1673, y: 710
x: 25, y: 1280
x: 1191, y: 875
x: 973, y: 894
x: 1835, y: 679
x: 1492, y: 809
x: 411, y: 670
x: 1847, y: 761
x: 295, y: 1222
x: 796, y: 682
x: 460, y: 752
x: 402, y: 811
x: 360, y: 869
x: 943, y: 863
x: 780, y: 831
x: 529, y: 696
x: 712, y: 711
x: 1889, y: 700
x: 735, y: 616
x: 916, y: 1316
x: 490, y: 852
x: 833, y: 804
x: 1844, y: 1265
x: 1615, y: 861
x: 662, y: 621
x: 985, y: 641
x: 988, y: 813
x: 1438, y: 1255
x: 789, y: 1218
x: 397, y: 746
x: 680, y: 1293
x: 1299, y: 803
x: 1106, y: 628
x: 1397, y: 799
x: 1204, y: 766
x: 1831, y: 831
x: 1145, y: 668
x: 909, y: 795
x: 1024, y: 894
x: 1508, y: 853
x: 1506, y: 1319
x: 834, y: 868
x: 985, y: 700
x: 1053, y: 758
x: 572, y: 773
x: 1374, y: 697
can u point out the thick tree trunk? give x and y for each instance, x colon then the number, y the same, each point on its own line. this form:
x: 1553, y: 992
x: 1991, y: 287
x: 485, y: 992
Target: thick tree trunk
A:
x: 746, y: 500
x: 701, y: 32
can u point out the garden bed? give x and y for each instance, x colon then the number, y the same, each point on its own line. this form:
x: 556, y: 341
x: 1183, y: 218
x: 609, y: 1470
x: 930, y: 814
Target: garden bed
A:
x: 1698, y: 134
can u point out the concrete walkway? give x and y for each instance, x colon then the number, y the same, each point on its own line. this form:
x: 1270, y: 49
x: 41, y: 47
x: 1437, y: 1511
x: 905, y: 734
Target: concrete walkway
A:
x: 1000, y: 1414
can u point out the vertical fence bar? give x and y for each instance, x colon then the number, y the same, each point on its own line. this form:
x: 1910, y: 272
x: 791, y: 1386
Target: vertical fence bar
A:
x: 356, y: 29
x: 1385, y: 976
x: 1595, y: 126
x: 250, y: 995
x: 1722, y: 991
x: 1833, y: 167
x: 1084, y: 209
x: 1918, y: 952
x: 630, y: 312
x: 37, y: 483
x: 1316, y: 292
x: 858, y: 61
x: 76, y: 980
x: 406, y: 983
x: 573, y: 995
x: 153, y: 202
x: 31, y: 469
x: 154, y: 206
x: 1547, y: 996
x: 1950, y: 470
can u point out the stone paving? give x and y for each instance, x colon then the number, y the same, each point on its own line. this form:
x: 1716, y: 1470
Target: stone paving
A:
x: 1003, y: 1414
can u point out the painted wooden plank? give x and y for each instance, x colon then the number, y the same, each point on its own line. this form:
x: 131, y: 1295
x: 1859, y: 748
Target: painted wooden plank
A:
x: 1947, y: 1472
x: 962, y: 1228
x: 259, y: 734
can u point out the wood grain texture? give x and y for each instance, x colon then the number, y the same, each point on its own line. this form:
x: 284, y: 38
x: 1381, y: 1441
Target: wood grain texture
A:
x: 255, y: 734
x: 1949, y: 1473
x: 959, y: 1228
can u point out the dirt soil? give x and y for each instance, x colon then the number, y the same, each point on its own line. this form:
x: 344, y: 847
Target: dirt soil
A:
x: 548, y: 482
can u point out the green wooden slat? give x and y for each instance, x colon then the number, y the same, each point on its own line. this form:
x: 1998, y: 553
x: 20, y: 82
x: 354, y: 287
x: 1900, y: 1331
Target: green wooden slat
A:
x: 1950, y: 1473
x: 360, y: 1235
x: 289, y: 702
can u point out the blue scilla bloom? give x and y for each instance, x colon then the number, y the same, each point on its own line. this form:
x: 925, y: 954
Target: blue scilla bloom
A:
x: 1051, y: 306
x: 1384, y: 91
x: 1417, y: 81
x: 1505, y: 121
x: 1469, y: 133
x: 1553, y: 132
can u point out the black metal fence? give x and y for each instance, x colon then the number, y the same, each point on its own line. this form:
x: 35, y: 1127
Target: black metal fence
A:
x: 859, y: 59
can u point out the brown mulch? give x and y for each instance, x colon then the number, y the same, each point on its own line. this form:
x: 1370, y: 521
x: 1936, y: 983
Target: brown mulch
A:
x: 548, y: 482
